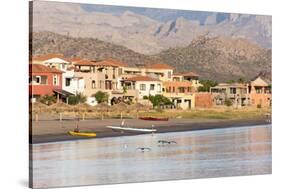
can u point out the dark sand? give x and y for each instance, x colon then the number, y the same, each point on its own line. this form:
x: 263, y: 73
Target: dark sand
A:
x: 54, y: 130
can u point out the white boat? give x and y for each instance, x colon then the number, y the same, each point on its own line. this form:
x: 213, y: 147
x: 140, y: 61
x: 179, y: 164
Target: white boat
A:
x: 131, y: 129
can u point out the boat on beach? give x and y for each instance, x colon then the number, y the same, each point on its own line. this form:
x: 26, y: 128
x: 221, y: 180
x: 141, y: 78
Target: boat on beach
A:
x: 153, y: 119
x: 119, y: 128
x: 84, y: 134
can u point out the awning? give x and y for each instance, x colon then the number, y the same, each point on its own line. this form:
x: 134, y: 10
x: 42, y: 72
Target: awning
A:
x: 63, y: 92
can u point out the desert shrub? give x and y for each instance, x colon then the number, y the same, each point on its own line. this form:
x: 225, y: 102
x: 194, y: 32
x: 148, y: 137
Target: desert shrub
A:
x: 228, y: 102
x: 76, y: 99
x: 145, y: 97
x: 101, y: 96
x: 48, y: 99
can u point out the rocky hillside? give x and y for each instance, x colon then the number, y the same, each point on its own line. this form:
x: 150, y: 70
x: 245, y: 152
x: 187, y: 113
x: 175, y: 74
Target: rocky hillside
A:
x: 88, y: 48
x: 219, y: 58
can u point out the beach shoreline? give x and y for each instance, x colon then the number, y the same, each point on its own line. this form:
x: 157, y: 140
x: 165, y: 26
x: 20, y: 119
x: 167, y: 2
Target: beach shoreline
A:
x: 56, y: 131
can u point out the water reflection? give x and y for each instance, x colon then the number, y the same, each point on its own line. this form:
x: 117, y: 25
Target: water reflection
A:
x: 197, y: 154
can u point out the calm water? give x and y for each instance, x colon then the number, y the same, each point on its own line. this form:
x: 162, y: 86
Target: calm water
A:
x: 197, y: 154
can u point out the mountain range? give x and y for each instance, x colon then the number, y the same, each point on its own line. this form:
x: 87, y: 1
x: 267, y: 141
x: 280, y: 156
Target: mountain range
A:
x: 144, y: 30
x: 218, y: 58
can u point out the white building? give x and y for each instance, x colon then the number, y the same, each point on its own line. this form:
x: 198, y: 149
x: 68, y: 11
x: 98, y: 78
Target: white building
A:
x: 71, y: 83
x: 143, y: 86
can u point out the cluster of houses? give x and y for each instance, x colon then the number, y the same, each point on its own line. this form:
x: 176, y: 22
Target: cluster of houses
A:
x: 54, y: 74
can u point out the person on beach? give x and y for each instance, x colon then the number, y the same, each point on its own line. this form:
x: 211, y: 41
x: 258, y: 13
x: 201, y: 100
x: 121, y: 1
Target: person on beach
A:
x: 76, y: 130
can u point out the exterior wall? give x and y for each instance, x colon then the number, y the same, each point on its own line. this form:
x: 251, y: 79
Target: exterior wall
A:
x: 45, y: 89
x: 203, y: 100
x: 76, y: 84
x: 182, y: 100
x: 141, y: 93
x: 264, y: 100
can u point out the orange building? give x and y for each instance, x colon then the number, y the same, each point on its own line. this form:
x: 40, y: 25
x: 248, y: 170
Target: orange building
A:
x: 181, y: 93
x: 43, y: 80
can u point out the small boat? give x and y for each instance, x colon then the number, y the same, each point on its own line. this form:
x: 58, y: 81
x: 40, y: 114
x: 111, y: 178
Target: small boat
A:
x: 131, y: 129
x: 153, y: 119
x: 85, y: 134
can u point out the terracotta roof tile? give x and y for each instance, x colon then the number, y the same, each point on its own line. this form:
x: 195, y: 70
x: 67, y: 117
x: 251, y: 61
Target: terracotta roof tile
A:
x: 47, y: 57
x: 84, y: 62
x: 158, y: 66
x: 111, y: 62
x: 188, y: 74
x: 38, y: 68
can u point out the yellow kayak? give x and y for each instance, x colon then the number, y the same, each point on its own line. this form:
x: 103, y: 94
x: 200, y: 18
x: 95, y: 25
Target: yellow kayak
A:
x: 85, y: 134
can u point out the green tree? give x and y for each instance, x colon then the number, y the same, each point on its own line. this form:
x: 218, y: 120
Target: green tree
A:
x: 101, y: 96
x: 76, y: 99
x: 231, y: 81
x: 48, y: 99
x: 207, y: 84
x: 241, y: 80
x: 125, y: 89
x: 158, y: 100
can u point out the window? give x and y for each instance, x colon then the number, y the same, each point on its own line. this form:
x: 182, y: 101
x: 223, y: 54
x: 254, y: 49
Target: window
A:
x: 38, y: 80
x: 55, y: 80
x: 258, y: 90
x: 232, y: 90
x: 142, y: 87
x: 119, y: 71
x: 67, y: 82
x: 93, y: 84
x: 181, y: 89
x: 169, y: 74
x: 108, y: 85
x: 152, y: 86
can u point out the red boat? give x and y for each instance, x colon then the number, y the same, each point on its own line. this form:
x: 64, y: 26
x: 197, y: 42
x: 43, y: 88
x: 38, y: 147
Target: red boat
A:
x: 153, y: 119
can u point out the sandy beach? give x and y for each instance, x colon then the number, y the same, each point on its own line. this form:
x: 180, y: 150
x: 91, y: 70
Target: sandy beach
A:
x: 55, y: 130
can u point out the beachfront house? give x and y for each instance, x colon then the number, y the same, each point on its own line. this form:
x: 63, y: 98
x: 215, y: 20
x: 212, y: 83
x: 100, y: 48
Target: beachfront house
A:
x: 100, y: 76
x: 181, y: 93
x: 188, y: 76
x: 235, y: 94
x: 260, y: 92
x: 43, y: 80
x: 136, y: 87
